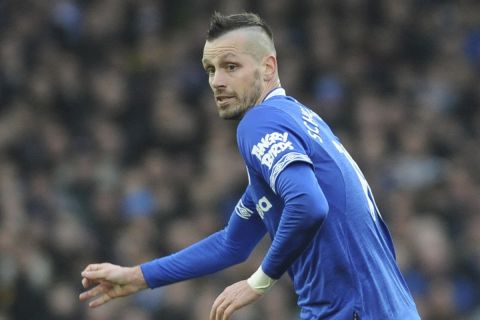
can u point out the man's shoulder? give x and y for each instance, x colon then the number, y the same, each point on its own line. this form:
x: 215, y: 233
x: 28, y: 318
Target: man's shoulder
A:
x: 274, y: 110
x: 263, y: 108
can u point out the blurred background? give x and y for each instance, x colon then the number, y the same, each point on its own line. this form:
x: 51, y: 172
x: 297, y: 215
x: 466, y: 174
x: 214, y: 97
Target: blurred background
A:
x: 111, y: 148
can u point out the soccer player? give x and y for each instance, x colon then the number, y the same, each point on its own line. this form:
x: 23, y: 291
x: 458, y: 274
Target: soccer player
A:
x: 304, y: 190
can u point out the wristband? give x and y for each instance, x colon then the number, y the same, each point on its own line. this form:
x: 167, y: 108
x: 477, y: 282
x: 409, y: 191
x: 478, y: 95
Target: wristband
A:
x: 260, y: 282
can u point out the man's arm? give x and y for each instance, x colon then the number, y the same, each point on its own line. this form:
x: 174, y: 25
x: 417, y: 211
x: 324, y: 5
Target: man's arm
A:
x: 221, y: 250
x: 225, y: 248
x: 305, y: 210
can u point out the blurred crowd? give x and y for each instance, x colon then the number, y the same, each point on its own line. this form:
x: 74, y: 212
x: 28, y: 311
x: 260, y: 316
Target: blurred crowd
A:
x: 111, y: 148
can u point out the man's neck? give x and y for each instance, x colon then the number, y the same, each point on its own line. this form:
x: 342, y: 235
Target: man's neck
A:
x: 278, y: 91
x: 268, y: 89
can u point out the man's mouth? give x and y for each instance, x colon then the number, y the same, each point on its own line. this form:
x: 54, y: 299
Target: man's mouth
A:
x: 221, y: 100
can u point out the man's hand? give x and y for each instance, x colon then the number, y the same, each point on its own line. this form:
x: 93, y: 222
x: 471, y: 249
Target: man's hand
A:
x: 233, y: 298
x: 111, y: 282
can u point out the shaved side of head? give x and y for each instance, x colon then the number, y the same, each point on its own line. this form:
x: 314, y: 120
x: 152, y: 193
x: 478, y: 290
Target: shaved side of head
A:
x: 258, y: 35
x: 258, y: 44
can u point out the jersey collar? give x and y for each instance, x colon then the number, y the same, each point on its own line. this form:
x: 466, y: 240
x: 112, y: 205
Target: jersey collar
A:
x: 278, y: 91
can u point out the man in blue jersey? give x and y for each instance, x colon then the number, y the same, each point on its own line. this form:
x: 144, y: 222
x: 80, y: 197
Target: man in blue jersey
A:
x: 304, y: 190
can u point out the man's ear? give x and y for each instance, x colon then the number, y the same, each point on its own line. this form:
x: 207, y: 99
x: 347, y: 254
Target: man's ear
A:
x: 270, y: 67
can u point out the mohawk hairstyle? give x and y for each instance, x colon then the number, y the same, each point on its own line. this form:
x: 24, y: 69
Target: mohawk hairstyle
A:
x: 220, y: 24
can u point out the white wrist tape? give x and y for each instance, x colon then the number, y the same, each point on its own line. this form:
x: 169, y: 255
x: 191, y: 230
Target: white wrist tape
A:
x: 260, y: 282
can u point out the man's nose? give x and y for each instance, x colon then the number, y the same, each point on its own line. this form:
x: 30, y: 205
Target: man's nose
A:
x: 217, y: 80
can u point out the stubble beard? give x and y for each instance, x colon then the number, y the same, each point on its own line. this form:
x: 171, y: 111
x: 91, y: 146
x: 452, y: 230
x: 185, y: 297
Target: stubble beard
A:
x: 236, y: 112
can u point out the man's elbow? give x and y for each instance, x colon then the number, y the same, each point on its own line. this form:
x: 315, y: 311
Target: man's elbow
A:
x: 317, y: 211
x: 238, y: 256
x: 243, y: 256
x: 237, y: 252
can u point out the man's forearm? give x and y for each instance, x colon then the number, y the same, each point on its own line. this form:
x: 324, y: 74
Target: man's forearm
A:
x: 207, y: 256
x: 223, y: 249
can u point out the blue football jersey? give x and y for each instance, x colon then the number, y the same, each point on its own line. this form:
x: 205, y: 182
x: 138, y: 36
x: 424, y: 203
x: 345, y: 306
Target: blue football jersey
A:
x: 349, y: 269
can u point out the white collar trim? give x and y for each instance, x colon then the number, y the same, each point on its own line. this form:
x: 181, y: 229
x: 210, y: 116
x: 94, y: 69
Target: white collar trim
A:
x: 276, y: 92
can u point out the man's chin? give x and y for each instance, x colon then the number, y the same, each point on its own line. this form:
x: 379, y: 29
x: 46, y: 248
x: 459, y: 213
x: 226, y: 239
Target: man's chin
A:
x: 229, y: 114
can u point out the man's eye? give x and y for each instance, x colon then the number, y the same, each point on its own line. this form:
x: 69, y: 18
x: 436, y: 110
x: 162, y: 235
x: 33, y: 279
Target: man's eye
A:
x: 231, y: 67
x: 209, y: 71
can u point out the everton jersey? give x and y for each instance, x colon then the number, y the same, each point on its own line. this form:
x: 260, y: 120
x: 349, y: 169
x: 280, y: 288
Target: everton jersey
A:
x: 348, y: 269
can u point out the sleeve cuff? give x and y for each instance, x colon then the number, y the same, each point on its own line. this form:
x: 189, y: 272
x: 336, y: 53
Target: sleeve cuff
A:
x: 148, y: 269
x: 260, y: 281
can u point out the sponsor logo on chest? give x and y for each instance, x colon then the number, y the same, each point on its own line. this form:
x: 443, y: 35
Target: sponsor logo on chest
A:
x: 263, y: 205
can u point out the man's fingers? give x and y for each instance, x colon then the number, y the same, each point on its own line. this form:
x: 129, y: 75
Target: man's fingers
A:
x: 220, y: 309
x: 96, y: 267
x: 85, y: 283
x: 94, y: 275
x: 231, y: 299
x: 229, y: 311
x: 224, y: 310
x: 91, y: 293
x: 104, y: 298
x: 92, y: 267
x: 213, y: 311
x: 106, y: 288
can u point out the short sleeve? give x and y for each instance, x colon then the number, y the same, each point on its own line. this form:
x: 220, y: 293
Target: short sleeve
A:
x: 269, y: 140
